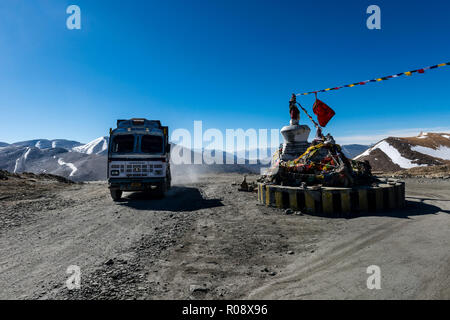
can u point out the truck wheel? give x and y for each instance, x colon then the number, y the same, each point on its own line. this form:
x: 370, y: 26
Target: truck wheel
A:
x: 169, y: 182
x: 115, y: 194
x: 161, y: 190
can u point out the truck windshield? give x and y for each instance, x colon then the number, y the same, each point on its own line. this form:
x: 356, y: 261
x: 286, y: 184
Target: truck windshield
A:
x: 123, y: 144
x: 151, y: 144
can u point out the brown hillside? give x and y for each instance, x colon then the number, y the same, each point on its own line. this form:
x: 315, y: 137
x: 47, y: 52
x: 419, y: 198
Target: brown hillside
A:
x: 381, y: 162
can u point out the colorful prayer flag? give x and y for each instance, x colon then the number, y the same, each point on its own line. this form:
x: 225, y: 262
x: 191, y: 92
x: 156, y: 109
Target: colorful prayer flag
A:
x: 324, y: 113
x: 408, y: 73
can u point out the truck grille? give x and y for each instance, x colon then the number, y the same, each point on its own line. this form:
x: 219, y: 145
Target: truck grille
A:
x: 137, y: 169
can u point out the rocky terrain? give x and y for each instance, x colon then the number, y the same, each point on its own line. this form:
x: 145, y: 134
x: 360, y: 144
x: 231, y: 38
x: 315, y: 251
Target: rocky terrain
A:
x: 25, y: 196
x: 207, y: 240
x: 431, y: 172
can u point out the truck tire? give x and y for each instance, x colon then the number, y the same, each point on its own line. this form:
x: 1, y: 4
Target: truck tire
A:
x: 161, y: 190
x: 169, y: 181
x: 115, y: 194
x: 169, y: 184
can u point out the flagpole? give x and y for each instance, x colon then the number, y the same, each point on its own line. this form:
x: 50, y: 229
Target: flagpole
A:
x: 310, y: 118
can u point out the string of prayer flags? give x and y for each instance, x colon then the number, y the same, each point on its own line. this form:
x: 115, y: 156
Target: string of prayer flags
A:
x: 407, y: 73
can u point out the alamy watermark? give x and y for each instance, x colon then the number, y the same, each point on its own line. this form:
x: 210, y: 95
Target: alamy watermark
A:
x: 374, y: 280
x: 74, y: 20
x: 74, y: 280
x: 212, y: 146
x: 374, y: 20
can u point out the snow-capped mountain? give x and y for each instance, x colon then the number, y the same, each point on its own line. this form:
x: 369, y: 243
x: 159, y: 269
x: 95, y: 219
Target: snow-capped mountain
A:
x: 59, y: 161
x: 70, y: 159
x: 393, y: 154
x: 48, y: 144
x: 97, y: 146
x: 3, y: 144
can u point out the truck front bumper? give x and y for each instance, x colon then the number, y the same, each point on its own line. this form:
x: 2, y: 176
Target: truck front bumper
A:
x: 144, y: 184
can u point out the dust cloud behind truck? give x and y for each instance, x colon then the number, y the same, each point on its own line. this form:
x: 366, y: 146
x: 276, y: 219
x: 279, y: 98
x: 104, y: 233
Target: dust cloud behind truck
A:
x: 138, y: 157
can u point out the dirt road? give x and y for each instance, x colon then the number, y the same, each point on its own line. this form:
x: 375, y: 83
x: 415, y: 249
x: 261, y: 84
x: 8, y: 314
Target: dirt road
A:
x: 206, y: 240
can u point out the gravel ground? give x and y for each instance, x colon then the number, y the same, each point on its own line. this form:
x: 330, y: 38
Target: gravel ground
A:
x: 23, y: 196
x: 206, y: 240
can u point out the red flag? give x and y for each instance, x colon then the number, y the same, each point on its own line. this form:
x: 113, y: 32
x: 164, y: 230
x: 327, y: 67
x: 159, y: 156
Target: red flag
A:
x: 324, y: 113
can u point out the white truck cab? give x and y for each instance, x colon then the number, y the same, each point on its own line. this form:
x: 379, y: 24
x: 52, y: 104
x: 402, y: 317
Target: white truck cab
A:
x: 138, y: 157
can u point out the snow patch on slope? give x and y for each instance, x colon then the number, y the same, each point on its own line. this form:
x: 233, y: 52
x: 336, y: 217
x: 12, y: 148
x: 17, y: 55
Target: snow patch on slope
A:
x: 442, y: 152
x: 392, y: 153
x: 96, y: 146
x: 70, y: 165
x: 16, y: 167
x: 422, y: 135
x: 20, y: 162
x: 25, y: 156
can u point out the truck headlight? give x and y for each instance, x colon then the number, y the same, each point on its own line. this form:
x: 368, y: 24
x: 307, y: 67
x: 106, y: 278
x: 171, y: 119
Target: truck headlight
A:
x: 114, y: 172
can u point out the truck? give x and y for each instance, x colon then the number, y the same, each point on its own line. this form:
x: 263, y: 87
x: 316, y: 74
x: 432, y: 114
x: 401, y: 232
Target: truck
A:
x: 138, y: 158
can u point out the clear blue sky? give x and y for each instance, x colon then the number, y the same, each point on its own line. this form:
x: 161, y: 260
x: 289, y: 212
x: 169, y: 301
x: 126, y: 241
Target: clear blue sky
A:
x: 231, y: 64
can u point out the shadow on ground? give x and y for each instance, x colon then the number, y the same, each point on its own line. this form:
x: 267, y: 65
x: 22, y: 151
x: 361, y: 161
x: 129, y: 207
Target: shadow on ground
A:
x: 423, y: 199
x: 177, y: 199
x: 412, y: 208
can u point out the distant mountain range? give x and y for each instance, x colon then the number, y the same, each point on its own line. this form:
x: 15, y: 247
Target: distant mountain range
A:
x: 70, y: 159
x: 394, y: 154
x: 352, y: 150
x: 85, y: 162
